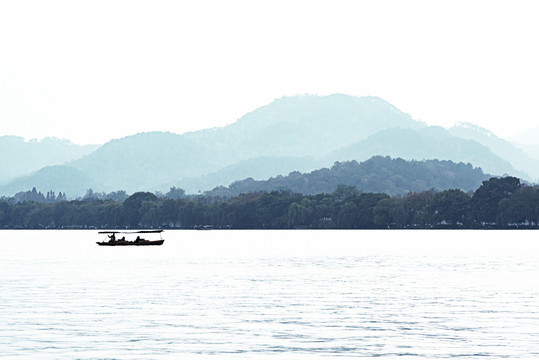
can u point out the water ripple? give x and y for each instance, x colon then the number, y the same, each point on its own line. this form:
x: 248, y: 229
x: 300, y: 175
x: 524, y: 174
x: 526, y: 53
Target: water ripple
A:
x: 97, y: 304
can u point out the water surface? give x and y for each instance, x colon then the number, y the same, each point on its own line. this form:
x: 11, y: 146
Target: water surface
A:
x: 271, y: 294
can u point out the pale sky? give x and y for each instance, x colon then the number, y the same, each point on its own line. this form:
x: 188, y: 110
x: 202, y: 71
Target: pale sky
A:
x: 90, y: 71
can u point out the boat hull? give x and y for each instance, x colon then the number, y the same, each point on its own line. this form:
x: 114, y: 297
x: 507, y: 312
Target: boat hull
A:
x: 130, y: 243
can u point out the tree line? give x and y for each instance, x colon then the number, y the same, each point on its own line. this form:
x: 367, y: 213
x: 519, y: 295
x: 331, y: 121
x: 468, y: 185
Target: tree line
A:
x: 498, y: 203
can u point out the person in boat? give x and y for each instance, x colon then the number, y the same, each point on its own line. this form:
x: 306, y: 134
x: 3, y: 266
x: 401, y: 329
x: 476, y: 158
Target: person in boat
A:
x: 112, y: 238
x: 138, y: 239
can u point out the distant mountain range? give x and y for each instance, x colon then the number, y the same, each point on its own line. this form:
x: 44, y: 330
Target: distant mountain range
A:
x: 528, y: 166
x: 21, y: 158
x: 378, y: 175
x: 528, y: 141
x: 427, y: 143
x: 299, y: 133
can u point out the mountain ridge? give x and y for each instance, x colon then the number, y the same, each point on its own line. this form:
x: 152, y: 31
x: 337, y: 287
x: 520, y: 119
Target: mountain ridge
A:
x: 519, y: 159
x: 324, y: 129
x: 21, y: 157
x: 425, y: 144
x: 379, y: 174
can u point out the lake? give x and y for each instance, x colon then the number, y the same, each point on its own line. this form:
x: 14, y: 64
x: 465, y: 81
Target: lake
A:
x: 271, y: 294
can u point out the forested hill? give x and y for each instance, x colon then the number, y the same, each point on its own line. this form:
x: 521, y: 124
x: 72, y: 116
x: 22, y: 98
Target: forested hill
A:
x: 378, y: 174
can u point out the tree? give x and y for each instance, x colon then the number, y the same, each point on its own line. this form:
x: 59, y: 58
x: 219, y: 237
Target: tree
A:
x: 32, y: 195
x: 416, y: 205
x: 485, y: 200
x: 519, y: 209
x: 133, y: 209
x: 297, y: 215
x: 366, y: 202
x: 449, y: 208
x: 390, y: 213
x: 90, y: 195
x: 175, y: 193
x: 119, y: 196
x: 5, y: 213
x: 347, y: 217
x: 170, y: 214
x: 345, y: 192
x: 61, y: 197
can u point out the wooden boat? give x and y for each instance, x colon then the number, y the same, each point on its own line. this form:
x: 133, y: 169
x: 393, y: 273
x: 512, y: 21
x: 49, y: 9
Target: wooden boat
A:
x: 113, y: 241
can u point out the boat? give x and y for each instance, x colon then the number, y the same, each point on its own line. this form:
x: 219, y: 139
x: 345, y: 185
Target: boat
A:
x: 115, y: 241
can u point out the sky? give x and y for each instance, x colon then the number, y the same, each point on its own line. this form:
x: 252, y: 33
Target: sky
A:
x: 91, y: 71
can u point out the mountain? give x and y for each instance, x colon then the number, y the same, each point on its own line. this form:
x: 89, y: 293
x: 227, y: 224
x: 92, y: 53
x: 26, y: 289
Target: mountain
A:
x: 306, y: 126
x: 299, y: 126
x: 20, y: 157
x: 423, y: 144
x: 57, y: 178
x: 258, y: 168
x: 144, y: 161
x: 527, y: 166
x: 414, y: 143
x: 528, y: 141
x: 378, y: 174
x: 292, y: 133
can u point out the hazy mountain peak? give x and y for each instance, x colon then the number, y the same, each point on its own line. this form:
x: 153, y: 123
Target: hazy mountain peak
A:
x: 330, y: 120
x: 475, y: 128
